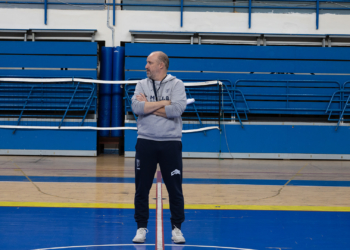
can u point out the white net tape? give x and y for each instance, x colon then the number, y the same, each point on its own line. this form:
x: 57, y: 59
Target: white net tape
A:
x: 62, y: 80
x: 96, y: 128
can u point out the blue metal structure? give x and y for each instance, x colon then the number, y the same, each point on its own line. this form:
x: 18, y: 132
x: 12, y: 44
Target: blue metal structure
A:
x: 250, y: 6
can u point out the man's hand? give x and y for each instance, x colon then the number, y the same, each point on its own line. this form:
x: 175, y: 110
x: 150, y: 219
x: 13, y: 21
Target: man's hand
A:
x: 150, y: 107
x: 141, y: 98
x: 160, y: 112
x: 166, y: 103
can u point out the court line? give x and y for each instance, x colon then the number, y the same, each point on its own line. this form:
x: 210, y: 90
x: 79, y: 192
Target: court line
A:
x: 290, y: 182
x: 187, y: 206
x: 171, y: 245
x: 159, y: 209
x: 186, y: 171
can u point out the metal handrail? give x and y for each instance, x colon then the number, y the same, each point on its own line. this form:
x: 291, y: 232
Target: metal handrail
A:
x: 342, y: 109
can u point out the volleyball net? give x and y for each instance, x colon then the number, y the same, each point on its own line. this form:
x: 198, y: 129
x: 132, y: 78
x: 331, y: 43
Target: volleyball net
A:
x: 72, y: 104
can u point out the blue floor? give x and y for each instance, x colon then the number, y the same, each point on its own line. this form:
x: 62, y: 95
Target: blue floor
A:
x: 50, y: 228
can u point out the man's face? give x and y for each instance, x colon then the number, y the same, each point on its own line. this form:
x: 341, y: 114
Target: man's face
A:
x: 153, y: 66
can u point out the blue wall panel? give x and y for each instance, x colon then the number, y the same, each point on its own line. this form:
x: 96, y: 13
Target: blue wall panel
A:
x: 91, y: 74
x: 246, y: 65
x: 284, y: 139
x: 240, y: 51
x: 35, y: 139
x: 38, y: 139
x: 48, y: 61
x: 48, y: 48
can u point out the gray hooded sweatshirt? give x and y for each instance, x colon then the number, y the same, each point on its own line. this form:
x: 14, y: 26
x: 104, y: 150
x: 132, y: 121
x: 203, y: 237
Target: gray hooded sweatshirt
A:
x: 158, y: 128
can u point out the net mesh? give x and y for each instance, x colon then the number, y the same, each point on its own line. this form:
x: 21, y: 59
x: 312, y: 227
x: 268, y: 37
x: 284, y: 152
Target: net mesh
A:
x: 66, y: 103
x: 48, y: 103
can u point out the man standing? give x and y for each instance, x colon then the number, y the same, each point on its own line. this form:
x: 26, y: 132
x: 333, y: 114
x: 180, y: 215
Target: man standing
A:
x: 159, y: 102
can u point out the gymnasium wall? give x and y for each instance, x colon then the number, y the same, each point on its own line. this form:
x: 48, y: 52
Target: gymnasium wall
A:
x: 170, y: 21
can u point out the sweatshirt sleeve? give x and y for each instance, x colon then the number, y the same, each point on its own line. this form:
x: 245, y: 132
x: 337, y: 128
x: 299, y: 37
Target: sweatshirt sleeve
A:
x: 137, y: 106
x: 178, y: 101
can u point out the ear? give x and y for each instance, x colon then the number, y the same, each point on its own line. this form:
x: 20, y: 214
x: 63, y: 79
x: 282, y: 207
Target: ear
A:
x: 161, y: 65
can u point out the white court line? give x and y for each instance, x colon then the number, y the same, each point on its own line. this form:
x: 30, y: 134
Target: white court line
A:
x: 159, y: 220
x: 168, y: 245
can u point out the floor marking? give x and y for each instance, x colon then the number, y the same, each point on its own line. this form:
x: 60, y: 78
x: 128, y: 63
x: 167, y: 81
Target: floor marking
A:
x: 159, y: 212
x: 138, y: 245
x: 187, y: 206
x: 280, y: 190
x: 25, y: 175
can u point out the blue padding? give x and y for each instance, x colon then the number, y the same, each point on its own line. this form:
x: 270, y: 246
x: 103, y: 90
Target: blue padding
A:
x: 34, y: 139
x: 91, y: 74
x: 246, y: 65
x: 239, y: 51
x: 48, y: 48
x: 117, y: 91
x: 293, y: 139
x: 105, y: 95
x: 48, y: 61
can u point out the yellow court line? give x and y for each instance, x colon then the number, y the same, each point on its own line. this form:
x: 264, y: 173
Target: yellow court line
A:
x: 188, y: 206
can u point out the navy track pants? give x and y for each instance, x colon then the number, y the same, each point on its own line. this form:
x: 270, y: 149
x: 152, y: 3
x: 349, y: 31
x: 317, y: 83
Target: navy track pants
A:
x: 169, y: 156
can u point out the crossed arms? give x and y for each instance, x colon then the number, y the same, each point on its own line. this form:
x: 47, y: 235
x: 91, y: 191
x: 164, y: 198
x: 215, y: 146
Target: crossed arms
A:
x: 156, y: 108
x: 166, y: 108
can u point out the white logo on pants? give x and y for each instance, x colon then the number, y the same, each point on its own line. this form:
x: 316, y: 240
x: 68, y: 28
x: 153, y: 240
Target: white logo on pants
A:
x: 137, y: 164
x: 176, y: 171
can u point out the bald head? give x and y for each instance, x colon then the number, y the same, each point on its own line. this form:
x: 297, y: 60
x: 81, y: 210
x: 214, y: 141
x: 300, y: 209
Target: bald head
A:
x: 157, y: 65
x: 162, y: 58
